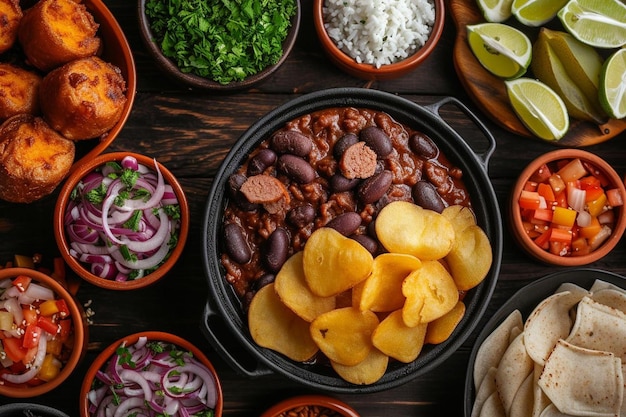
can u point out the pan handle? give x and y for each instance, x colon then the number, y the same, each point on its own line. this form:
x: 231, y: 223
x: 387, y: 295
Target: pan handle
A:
x: 238, y: 359
x: 485, y: 155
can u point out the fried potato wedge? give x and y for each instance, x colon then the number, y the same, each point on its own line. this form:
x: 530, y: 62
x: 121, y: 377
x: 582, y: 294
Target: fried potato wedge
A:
x: 344, y: 335
x: 430, y: 293
x: 461, y: 217
x: 294, y: 292
x: 382, y: 290
x: 403, y: 227
x: 397, y: 340
x: 439, y: 330
x: 274, y: 326
x: 368, y: 371
x: 334, y: 263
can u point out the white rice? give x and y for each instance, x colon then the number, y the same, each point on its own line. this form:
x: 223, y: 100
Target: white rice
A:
x: 379, y: 32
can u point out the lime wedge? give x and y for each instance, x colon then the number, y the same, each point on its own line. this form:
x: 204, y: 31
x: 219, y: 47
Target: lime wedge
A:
x: 536, y: 12
x: 599, y: 23
x: 496, y: 11
x: 539, y: 108
x: 562, y: 76
x: 613, y: 85
x: 501, y: 49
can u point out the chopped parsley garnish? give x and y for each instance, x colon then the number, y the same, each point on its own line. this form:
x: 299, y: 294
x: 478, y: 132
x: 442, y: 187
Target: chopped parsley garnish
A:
x: 223, y: 40
x: 97, y: 194
x: 134, y: 221
x: 125, y: 357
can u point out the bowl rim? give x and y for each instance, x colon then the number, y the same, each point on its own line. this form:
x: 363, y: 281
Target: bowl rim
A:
x: 402, y: 110
x: 102, y: 14
x: 17, y: 407
x: 515, y: 218
x: 59, y: 229
x: 370, y: 71
x: 311, y: 399
x: 195, y: 81
x: 80, y: 333
x: 130, y: 339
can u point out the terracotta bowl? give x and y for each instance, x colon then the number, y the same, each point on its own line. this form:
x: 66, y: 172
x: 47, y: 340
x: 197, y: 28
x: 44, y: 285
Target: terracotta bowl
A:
x: 170, y: 68
x: 369, y: 71
x: 613, y: 181
x: 151, y: 336
x: 63, y: 241
x: 79, y: 335
x: 315, y: 405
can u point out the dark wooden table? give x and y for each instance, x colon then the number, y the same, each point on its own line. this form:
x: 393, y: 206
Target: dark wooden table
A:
x: 190, y: 133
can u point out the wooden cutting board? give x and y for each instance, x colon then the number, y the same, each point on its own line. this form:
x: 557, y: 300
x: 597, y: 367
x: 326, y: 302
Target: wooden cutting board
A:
x: 489, y: 93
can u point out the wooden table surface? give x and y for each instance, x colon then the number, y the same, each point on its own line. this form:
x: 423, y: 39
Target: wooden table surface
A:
x: 190, y: 133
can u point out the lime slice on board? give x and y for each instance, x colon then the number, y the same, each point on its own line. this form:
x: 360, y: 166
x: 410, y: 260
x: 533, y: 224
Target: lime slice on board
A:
x: 501, y: 49
x: 538, y: 107
x: 599, y: 23
x: 613, y: 85
x: 496, y: 11
x: 536, y: 12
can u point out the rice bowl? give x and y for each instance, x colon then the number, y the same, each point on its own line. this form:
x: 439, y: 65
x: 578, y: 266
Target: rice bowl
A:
x: 379, y: 32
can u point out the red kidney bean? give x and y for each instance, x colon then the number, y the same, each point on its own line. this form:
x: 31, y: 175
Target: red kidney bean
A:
x: 263, y: 280
x: 236, y: 244
x: 344, y: 143
x: 422, y: 145
x: 234, y: 184
x: 425, y: 195
x: 277, y: 249
x: 367, y: 242
x: 302, y: 215
x: 340, y: 184
x: 261, y: 161
x: 375, y: 187
x: 296, y: 168
x: 291, y: 142
x: 377, y: 139
x: 346, y: 223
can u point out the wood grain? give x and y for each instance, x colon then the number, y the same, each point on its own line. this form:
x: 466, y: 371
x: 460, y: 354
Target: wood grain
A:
x: 489, y: 92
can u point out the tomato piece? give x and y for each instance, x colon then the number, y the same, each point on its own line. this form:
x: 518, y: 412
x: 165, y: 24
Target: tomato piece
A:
x: 30, y: 315
x: 32, y: 333
x: 604, y: 180
x: 64, y: 310
x: 541, y: 174
x: 21, y: 282
x: 559, y: 248
x: 589, y: 182
x: 65, y: 329
x: 561, y: 199
x: 13, y: 348
x: 573, y: 170
x: 593, y: 193
x: 614, y: 197
x: 546, y: 192
x: 580, y: 247
x: 530, y: 186
x: 529, y: 200
x: 48, y: 325
x: 545, y: 215
x: 560, y: 235
x: 543, y: 241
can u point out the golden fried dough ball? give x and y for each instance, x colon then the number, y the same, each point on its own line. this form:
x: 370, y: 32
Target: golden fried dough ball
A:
x: 34, y: 158
x: 10, y: 16
x: 54, y: 32
x: 84, y: 98
x: 19, y: 91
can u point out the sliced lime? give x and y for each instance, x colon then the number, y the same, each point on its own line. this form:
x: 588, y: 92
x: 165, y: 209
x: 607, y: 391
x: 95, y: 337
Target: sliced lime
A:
x: 501, y: 49
x: 496, y: 11
x: 599, y: 23
x: 539, y: 108
x: 613, y: 85
x: 536, y: 12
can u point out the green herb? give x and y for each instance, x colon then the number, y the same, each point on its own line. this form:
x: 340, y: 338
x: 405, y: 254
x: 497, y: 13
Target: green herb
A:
x: 129, y: 178
x: 133, y: 222
x: 127, y: 254
x: 125, y: 357
x: 172, y: 211
x: 121, y: 197
x: 223, y: 40
x: 97, y: 194
x: 156, y: 347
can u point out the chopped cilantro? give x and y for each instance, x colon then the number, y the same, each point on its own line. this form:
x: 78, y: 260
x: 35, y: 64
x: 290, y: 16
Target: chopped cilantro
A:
x: 172, y: 211
x: 223, y: 40
x: 125, y: 357
x: 127, y: 254
x: 156, y: 347
x: 97, y: 194
x: 129, y: 178
x: 134, y: 221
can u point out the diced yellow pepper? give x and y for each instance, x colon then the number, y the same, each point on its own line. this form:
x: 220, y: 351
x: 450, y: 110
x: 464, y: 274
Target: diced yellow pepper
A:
x: 50, y: 368
x: 48, y: 308
x: 24, y: 261
x: 564, y: 217
x: 6, y: 320
x: 54, y: 346
x: 597, y: 206
x: 590, y: 231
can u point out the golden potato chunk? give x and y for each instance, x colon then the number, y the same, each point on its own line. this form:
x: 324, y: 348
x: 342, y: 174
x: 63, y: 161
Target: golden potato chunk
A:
x: 366, y: 372
x: 55, y: 32
x: 274, y: 326
x: 34, y: 159
x: 294, y: 292
x: 430, y: 293
x: 84, y: 98
x: 397, y: 340
x: 10, y: 17
x: 439, y: 330
x: 334, y: 263
x: 344, y: 335
x: 19, y: 91
x: 403, y: 227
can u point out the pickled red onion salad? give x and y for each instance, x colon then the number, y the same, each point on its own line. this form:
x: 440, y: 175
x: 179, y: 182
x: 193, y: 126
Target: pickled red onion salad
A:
x: 122, y: 220
x: 153, y: 378
x: 35, y: 330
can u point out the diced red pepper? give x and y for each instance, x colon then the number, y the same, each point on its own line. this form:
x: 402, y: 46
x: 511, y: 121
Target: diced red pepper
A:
x: 65, y: 329
x: 64, y: 310
x: 47, y: 324
x: 13, y: 348
x: 32, y: 333
x: 560, y: 235
x: 21, y: 282
x: 530, y: 186
x: 597, y: 173
x: 544, y: 215
x: 30, y: 315
x: 543, y: 241
x: 546, y: 192
x: 589, y: 181
x: 593, y: 193
x: 542, y: 174
x: 529, y: 200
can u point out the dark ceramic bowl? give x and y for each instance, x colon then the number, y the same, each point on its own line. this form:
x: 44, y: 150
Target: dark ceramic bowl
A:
x: 28, y: 410
x: 194, y: 81
x: 224, y: 309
